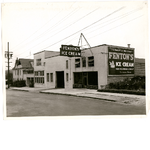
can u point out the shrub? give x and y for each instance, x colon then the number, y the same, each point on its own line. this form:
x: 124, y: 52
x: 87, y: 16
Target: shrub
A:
x: 134, y: 83
x: 19, y: 83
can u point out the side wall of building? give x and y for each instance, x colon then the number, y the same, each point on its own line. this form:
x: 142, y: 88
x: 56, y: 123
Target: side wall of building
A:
x: 41, y: 67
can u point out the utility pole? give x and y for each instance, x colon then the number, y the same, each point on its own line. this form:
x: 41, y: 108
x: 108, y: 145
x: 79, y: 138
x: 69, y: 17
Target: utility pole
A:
x: 8, y: 56
x: 8, y: 62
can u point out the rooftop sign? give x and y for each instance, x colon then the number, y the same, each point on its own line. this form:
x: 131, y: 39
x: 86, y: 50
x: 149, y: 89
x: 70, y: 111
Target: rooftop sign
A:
x: 70, y: 51
x: 120, y: 61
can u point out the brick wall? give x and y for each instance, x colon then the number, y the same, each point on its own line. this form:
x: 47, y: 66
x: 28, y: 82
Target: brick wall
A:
x: 139, y: 69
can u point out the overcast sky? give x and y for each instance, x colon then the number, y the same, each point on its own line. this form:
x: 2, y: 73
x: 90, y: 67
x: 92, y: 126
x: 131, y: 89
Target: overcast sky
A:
x: 33, y: 27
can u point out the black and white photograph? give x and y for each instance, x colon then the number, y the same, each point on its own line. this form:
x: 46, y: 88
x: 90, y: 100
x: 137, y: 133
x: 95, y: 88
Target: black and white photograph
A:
x: 75, y: 74
x: 74, y: 58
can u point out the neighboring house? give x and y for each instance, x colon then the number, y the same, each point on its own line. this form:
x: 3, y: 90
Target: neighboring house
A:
x: 23, y: 70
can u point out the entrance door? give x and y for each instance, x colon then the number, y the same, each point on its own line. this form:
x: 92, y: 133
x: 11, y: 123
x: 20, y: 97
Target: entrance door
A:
x: 60, y: 79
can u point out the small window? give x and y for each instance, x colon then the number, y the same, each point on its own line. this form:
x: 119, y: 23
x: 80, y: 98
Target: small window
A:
x: 38, y: 62
x: 66, y: 64
x: 47, y: 77
x: 83, y: 61
x: 41, y: 73
x: 91, y: 61
x: 51, y: 77
x: 77, y: 63
x: 66, y: 76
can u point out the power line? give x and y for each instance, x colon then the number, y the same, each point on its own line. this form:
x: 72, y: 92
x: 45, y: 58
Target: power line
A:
x: 85, y: 27
x: 36, y: 31
x: 117, y: 18
x: 117, y: 26
x: 68, y: 26
x: 54, y: 26
x: 120, y: 17
x: 42, y: 26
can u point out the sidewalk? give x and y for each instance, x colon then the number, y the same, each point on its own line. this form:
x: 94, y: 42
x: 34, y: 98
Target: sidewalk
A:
x: 89, y: 93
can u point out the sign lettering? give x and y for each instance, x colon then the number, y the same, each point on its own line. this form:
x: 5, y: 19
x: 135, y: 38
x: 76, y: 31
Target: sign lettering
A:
x: 120, y: 61
x: 70, y: 51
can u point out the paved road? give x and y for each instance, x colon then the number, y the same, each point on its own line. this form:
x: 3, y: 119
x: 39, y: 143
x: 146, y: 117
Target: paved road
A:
x: 24, y: 104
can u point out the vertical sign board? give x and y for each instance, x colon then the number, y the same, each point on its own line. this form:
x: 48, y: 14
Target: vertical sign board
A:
x: 120, y: 61
x: 70, y: 51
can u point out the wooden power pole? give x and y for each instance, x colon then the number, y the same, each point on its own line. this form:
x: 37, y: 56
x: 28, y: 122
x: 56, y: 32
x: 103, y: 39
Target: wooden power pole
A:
x: 8, y: 62
x: 8, y: 56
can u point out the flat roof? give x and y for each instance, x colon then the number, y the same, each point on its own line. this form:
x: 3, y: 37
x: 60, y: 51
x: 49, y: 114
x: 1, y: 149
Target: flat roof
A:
x: 109, y: 45
x: 46, y: 51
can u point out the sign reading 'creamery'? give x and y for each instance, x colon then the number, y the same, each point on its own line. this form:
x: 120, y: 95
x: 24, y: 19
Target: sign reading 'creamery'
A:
x: 120, y: 61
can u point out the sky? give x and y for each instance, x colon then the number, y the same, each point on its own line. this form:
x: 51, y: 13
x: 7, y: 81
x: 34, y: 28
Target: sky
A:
x: 33, y: 27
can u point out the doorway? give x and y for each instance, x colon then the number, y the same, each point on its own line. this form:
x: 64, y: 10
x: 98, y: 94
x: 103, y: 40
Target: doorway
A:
x: 60, y: 79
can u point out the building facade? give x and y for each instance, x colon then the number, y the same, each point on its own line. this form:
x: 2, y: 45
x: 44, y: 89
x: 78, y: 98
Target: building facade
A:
x: 23, y: 70
x: 97, y: 67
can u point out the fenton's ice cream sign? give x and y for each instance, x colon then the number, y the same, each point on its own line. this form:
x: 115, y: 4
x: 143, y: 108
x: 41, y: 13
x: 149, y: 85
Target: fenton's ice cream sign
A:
x: 70, y: 51
x: 120, y: 61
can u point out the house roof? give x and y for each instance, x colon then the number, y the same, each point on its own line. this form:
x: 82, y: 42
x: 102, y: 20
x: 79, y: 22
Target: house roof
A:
x: 25, y: 63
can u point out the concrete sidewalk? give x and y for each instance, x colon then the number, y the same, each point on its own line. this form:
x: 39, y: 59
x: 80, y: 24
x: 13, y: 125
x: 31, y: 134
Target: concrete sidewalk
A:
x: 113, y: 97
x: 89, y: 93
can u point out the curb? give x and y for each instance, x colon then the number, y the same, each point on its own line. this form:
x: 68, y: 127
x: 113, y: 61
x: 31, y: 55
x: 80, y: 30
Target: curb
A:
x: 78, y: 96
x: 20, y: 90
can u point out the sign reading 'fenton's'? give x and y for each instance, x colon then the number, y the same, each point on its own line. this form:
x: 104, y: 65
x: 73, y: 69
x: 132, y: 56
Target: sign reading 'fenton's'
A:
x: 70, y: 50
x: 120, y: 61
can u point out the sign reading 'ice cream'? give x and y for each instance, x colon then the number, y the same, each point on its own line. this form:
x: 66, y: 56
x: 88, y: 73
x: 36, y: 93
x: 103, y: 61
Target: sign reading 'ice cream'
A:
x: 120, y: 61
x: 70, y: 51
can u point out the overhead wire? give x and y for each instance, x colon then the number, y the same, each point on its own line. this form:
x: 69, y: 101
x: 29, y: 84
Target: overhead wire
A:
x: 44, y: 25
x: 36, y: 31
x: 54, y: 26
x: 86, y: 26
x: 117, y: 26
x: 69, y: 25
x: 117, y: 18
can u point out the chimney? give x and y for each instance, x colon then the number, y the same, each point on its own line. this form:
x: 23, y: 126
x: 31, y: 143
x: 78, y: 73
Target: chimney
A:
x: 128, y: 45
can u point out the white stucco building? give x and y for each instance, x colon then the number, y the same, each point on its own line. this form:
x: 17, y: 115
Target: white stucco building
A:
x: 96, y: 67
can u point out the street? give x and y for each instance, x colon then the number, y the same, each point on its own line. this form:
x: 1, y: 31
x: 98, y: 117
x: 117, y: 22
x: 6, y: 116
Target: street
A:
x: 28, y: 104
